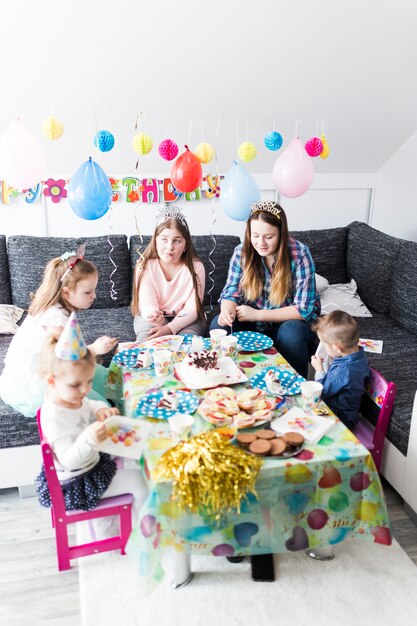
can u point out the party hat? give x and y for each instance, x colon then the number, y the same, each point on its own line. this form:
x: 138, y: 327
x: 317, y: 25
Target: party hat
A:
x: 71, y: 345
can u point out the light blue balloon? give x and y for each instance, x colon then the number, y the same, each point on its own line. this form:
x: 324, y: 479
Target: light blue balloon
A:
x: 238, y: 190
x: 89, y: 191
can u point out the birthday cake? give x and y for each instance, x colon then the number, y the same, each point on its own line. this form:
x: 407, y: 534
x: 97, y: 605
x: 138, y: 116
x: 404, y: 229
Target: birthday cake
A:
x: 201, y: 369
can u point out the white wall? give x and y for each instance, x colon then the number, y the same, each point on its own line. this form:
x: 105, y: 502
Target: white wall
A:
x: 333, y: 200
x: 395, y: 206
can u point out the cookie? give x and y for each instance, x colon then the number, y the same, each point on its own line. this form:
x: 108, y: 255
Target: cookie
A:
x: 293, y: 439
x: 261, y: 447
x: 245, y: 439
x: 278, y: 446
x: 265, y: 434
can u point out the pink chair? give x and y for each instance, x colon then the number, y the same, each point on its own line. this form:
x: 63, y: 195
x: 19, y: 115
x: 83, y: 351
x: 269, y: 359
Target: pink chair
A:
x: 61, y: 519
x: 376, y: 406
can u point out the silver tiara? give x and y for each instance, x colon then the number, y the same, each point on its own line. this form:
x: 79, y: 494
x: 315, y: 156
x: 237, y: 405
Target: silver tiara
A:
x: 268, y: 206
x: 172, y: 212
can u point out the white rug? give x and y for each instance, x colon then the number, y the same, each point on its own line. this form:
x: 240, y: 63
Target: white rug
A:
x: 366, y: 585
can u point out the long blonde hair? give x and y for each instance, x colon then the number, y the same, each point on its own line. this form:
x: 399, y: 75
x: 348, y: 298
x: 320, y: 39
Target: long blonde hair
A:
x: 51, y: 364
x: 50, y: 292
x: 252, y: 281
x: 189, y: 255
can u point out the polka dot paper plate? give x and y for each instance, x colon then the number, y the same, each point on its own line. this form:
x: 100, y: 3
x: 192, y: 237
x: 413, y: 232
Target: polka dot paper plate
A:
x: 188, y: 339
x: 289, y: 381
x: 148, y: 405
x: 134, y: 358
x: 249, y: 341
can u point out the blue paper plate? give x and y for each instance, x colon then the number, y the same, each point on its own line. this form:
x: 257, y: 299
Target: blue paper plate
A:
x: 189, y: 338
x: 285, y: 377
x: 248, y: 341
x: 148, y: 405
x: 129, y: 358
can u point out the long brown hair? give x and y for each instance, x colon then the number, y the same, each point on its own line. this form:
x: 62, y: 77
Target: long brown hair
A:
x: 252, y: 281
x: 189, y: 255
x: 50, y: 292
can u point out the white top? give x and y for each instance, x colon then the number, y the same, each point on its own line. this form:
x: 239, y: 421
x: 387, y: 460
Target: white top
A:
x: 20, y: 384
x: 67, y: 432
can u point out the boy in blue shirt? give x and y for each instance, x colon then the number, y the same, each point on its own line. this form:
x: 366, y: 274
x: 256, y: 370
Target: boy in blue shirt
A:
x: 344, y: 382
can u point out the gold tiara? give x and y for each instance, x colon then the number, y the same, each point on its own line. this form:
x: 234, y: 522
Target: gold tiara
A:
x: 268, y: 206
x: 173, y: 212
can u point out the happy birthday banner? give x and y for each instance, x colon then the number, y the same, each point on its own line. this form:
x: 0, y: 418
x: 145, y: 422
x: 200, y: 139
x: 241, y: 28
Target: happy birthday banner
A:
x: 128, y: 189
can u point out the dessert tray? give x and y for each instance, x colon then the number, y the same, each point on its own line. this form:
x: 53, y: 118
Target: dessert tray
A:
x: 125, y: 437
x: 289, y: 381
x: 249, y: 341
x: 250, y: 408
x: 285, y: 450
x: 231, y: 373
x: 152, y: 405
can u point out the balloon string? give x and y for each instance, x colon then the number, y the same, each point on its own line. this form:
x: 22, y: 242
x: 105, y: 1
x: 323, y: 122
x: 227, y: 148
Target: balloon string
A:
x: 189, y: 130
x: 317, y: 128
x: 141, y: 259
x: 95, y: 187
x: 214, y: 220
x: 237, y: 135
x: 113, y: 292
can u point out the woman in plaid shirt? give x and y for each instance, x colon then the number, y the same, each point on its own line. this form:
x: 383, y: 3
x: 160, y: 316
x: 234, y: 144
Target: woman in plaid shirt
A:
x: 271, y: 286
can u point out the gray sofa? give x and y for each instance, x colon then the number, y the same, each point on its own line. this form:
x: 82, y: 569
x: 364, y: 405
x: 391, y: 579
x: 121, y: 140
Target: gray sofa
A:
x: 384, y: 267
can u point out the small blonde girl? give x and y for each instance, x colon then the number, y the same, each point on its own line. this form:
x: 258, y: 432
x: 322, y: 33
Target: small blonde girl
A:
x: 72, y: 424
x: 169, y: 282
x: 68, y: 285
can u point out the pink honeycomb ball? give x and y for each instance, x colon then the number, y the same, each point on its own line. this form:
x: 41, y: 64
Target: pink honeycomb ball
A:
x: 314, y: 147
x: 168, y: 149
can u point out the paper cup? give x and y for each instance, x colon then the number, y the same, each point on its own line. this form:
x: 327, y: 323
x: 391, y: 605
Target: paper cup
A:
x: 215, y: 336
x: 310, y: 394
x: 181, y: 425
x: 162, y: 360
x: 228, y: 346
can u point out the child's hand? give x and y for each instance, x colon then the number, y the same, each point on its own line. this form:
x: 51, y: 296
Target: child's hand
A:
x: 317, y: 363
x: 102, y: 345
x: 105, y: 412
x: 159, y: 331
x: 156, y: 317
x: 97, y: 431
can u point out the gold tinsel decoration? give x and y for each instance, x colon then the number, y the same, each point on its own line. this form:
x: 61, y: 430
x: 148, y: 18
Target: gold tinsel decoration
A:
x: 210, y: 475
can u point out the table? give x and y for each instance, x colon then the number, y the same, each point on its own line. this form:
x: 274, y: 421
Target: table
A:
x: 330, y: 491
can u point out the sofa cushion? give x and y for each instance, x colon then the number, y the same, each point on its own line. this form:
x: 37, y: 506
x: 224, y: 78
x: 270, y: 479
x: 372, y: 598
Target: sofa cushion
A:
x: 5, y: 287
x: 114, y: 322
x: 371, y: 257
x: 396, y: 364
x: 225, y: 244
x: 328, y: 249
x: 404, y: 288
x: 16, y: 430
x: 28, y: 257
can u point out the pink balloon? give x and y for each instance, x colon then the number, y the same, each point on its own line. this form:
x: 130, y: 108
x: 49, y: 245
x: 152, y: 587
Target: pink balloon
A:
x: 22, y: 158
x: 293, y: 170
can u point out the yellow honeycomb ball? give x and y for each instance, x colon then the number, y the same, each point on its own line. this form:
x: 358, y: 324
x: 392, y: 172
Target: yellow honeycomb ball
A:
x: 247, y: 151
x: 52, y: 128
x: 326, y: 150
x: 204, y: 152
x: 142, y: 143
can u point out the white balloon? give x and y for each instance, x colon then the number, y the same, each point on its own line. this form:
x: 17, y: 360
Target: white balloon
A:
x: 293, y: 170
x: 22, y: 157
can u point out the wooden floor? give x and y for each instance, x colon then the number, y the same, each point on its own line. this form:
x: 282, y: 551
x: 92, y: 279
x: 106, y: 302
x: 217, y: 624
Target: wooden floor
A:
x: 33, y: 592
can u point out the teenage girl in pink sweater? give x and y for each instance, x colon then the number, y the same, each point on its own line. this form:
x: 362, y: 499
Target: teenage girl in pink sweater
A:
x: 169, y: 282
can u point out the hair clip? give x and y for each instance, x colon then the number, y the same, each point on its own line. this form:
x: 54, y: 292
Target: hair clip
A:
x: 173, y: 212
x: 67, y: 255
x: 76, y: 256
x: 268, y: 206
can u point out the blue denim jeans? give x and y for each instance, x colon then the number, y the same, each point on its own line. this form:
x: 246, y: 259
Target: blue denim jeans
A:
x: 294, y: 339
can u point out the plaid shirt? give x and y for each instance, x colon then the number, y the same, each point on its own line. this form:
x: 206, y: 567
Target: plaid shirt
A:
x: 303, y: 296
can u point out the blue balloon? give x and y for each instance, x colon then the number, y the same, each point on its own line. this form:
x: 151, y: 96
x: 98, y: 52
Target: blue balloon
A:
x: 239, y: 189
x: 89, y: 191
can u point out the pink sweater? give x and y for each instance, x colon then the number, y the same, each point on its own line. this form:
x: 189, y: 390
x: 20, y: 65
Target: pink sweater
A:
x: 175, y: 296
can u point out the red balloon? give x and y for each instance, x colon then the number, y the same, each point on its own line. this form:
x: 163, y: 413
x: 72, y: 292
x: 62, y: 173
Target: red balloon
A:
x: 186, y: 172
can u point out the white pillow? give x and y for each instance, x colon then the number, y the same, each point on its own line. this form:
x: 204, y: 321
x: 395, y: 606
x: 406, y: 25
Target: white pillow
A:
x: 343, y: 297
x: 321, y: 283
x: 9, y: 316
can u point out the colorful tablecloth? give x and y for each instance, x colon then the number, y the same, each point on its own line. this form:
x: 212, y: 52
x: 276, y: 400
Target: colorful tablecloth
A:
x: 330, y: 491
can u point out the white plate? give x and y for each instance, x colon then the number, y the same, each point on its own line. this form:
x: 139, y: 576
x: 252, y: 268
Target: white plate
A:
x: 122, y: 427
x: 231, y: 374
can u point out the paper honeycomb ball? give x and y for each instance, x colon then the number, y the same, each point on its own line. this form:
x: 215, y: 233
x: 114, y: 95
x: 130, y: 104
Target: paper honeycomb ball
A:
x: 142, y: 143
x: 168, y: 149
x: 314, y: 147
x: 204, y: 152
x: 52, y: 128
x: 246, y: 151
x: 273, y: 140
x: 104, y: 140
x: 326, y: 150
